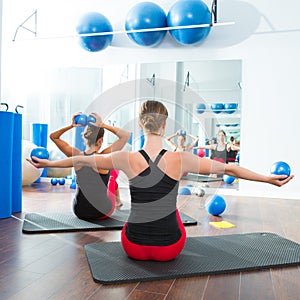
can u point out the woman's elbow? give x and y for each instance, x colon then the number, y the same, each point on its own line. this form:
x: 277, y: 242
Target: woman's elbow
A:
x: 127, y: 137
x: 52, y: 137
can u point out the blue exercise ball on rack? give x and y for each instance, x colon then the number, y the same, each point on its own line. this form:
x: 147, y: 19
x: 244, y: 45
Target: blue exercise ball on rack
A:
x: 185, y: 13
x: 200, y: 108
x: 146, y: 15
x: 230, y: 108
x: 94, y: 22
x: 217, y: 107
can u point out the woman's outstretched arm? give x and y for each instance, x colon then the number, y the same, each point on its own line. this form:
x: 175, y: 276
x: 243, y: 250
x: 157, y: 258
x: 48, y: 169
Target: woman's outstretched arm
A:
x: 192, y: 163
x: 115, y: 160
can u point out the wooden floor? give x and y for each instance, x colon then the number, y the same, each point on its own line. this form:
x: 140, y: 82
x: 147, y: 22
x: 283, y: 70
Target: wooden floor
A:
x: 54, y: 266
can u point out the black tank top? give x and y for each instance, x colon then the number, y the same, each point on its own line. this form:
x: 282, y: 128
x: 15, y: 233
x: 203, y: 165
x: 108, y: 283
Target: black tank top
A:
x: 152, y: 219
x: 218, y: 155
x: 91, y: 200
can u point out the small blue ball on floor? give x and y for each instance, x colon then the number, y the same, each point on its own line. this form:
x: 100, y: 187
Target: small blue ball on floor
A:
x: 216, y: 205
x: 73, y: 184
x: 184, y: 191
x: 281, y: 168
x: 61, y: 181
x: 54, y: 181
x: 228, y: 179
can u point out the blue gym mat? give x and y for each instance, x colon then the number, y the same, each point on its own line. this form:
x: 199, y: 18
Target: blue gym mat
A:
x: 48, y: 222
x: 205, y: 255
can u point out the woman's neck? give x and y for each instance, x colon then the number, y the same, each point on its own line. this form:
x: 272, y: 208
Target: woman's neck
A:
x: 153, y: 143
x: 91, y: 149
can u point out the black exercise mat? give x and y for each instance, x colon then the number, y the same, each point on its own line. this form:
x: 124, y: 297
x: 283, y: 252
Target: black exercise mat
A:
x: 200, y: 178
x: 201, y: 256
x: 65, y: 222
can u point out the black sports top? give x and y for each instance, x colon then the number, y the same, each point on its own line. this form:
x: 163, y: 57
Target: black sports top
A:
x: 219, y: 154
x: 91, y: 200
x: 152, y: 219
x: 231, y: 155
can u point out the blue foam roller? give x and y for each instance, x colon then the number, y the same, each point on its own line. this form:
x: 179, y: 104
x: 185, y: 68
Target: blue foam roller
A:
x: 39, y: 138
x: 78, y: 140
x: 17, y: 165
x: 40, y: 134
x: 6, y: 150
x: 142, y: 139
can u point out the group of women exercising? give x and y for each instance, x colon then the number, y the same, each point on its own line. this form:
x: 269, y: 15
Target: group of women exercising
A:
x: 154, y: 230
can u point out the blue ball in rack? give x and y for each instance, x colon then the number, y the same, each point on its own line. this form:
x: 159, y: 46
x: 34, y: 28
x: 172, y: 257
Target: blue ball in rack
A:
x: 217, y: 107
x: 146, y: 15
x: 200, y: 108
x: 94, y: 22
x: 230, y: 108
x: 185, y: 13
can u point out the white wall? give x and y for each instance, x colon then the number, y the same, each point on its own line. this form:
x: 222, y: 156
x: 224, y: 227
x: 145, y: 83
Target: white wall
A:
x: 266, y: 36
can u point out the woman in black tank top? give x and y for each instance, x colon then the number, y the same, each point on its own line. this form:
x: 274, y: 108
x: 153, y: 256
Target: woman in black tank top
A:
x: 219, y: 150
x: 154, y: 230
x: 91, y: 200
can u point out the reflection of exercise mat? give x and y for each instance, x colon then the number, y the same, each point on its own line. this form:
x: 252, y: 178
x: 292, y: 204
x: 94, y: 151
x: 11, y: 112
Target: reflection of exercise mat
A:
x: 201, y: 256
x: 200, y: 178
x: 63, y: 222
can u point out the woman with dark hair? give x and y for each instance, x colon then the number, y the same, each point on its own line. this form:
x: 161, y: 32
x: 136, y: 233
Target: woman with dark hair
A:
x: 232, y: 149
x: 154, y: 230
x: 92, y: 200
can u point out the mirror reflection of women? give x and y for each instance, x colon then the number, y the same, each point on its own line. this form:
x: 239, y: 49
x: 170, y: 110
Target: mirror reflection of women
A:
x: 91, y: 200
x: 232, y: 148
x: 180, y: 145
x: 154, y: 230
x: 218, y: 150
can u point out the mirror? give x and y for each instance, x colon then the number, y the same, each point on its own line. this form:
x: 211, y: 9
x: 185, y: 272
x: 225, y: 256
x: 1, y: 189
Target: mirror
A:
x: 64, y: 91
x: 215, y: 106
